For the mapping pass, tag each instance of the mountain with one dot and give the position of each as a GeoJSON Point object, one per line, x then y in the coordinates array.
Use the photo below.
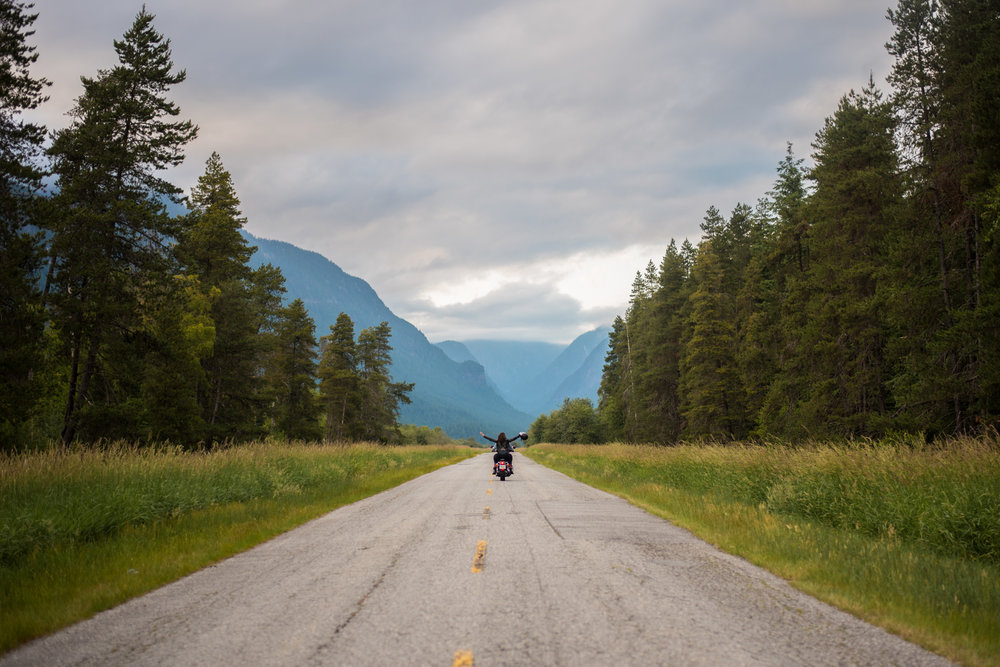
{"type": "Point", "coordinates": [575, 373]}
{"type": "Point", "coordinates": [512, 365]}
{"type": "Point", "coordinates": [584, 381]}
{"type": "Point", "coordinates": [536, 377]}
{"type": "Point", "coordinates": [456, 351]}
{"type": "Point", "coordinates": [454, 395]}
{"type": "Point", "coordinates": [460, 353]}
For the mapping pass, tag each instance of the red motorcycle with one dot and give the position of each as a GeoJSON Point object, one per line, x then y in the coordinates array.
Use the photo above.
{"type": "Point", "coordinates": [502, 470]}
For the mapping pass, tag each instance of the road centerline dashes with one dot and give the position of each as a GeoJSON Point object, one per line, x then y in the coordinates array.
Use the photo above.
{"type": "Point", "coordinates": [480, 558]}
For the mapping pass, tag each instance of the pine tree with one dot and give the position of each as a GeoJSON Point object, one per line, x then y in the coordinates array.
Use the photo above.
{"type": "Point", "coordinates": [266, 290]}
{"type": "Point", "coordinates": [660, 331]}
{"type": "Point", "coordinates": [843, 345]}
{"type": "Point", "coordinates": [20, 141]}
{"type": "Point", "coordinates": [713, 230]}
{"type": "Point", "coordinates": [212, 250]}
{"type": "Point", "coordinates": [947, 82]}
{"type": "Point", "coordinates": [611, 404]}
{"type": "Point", "coordinates": [713, 402]}
{"type": "Point", "coordinates": [110, 235]}
{"type": "Point", "coordinates": [768, 350]}
{"type": "Point", "coordinates": [21, 317]}
{"type": "Point", "coordinates": [293, 375]}
{"type": "Point", "coordinates": [339, 381]}
{"type": "Point", "coordinates": [380, 396]}
{"type": "Point", "coordinates": [969, 153]}
{"type": "Point", "coordinates": [183, 336]}
{"type": "Point", "coordinates": [211, 246]}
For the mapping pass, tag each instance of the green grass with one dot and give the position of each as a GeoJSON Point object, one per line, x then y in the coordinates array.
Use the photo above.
{"type": "Point", "coordinates": [907, 538]}
{"type": "Point", "coordinates": [86, 529]}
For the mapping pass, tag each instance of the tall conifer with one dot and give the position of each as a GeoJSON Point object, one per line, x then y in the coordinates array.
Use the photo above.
{"type": "Point", "coordinates": [713, 401]}
{"type": "Point", "coordinates": [843, 343]}
{"type": "Point", "coordinates": [21, 317]}
{"type": "Point", "coordinates": [380, 396]}
{"type": "Point", "coordinates": [293, 375]}
{"type": "Point", "coordinates": [339, 381]}
{"type": "Point", "coordinates": [110, 236]}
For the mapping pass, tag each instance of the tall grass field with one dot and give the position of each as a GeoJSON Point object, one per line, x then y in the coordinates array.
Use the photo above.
{"type": "Point", "coordinates": [904, 536]}
{"type": "Point", "coordinates": [82, 530]}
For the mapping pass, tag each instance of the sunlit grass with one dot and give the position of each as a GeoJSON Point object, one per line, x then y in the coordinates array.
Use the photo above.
{"type": "Point", "coordinates": [83, 530]}
{"type": "Point", "coordinates": [908, 538]}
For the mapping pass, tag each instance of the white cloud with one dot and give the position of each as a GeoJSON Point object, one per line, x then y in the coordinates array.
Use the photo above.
{"type": "Point", "coordinates": [490, 162]}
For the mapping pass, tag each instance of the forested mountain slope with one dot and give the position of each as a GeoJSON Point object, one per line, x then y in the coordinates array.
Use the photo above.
{"type": "Point", "coordinates": [450, 394]}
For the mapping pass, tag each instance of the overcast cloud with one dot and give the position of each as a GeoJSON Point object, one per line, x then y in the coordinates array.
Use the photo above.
{"type": "Point", "coordinates": [492, 169]}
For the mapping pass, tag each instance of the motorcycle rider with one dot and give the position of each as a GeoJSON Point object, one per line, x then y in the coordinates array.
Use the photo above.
{"type": "Point", "coordinates": [503, 448]}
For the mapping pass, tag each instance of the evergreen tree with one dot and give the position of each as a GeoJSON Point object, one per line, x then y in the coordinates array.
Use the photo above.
{"type": "Point", "coordinates": [713, 230]}
{"type": "Point", "coordinates": [713, 402]}
{"type": "Point", "coordinates": [266, 290]}
{"type": "Point", "coordinates": [380, 396]}
{"type": "Point", "coordinates": [109, 237]}
{"type": "Point", "coordinates": [947, 81]}
{"type": "Point", "coordinates": [969, 155]}
{"type": "Point", "coordinates": [865, 304]}
{"type": "Point", "coordinates": [844, 341]}
{"type": "Point", "coordinates": [758, 301]}
{"type": "Point", "coordinates": [611, 393]}
{"type": "Point", "coordinates": [661, 331]}
{"type": "Point", "coordinates": [740, 230]}
{"type": "Point", "coordinates": [21, 316]}
{"type": "Point", "coordinates": [339, 381]}
{"type": "Point", "coordinates": [294, 375]}
{"type": "Point", "coordinates": [211, 245]}
{"type": "Point", "coordinates": [774, 260]}
{"type": "Point", "coordinates": [183, 335]}
{"type": "Point", "coordinates": [212, 250]}
{"type": "Point", "coordinates": [769, 349]}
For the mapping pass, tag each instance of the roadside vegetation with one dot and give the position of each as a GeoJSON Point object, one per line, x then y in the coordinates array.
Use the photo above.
{"type": "Point", "coordinates": [131, 308]}
{"type": "Point", "coordinates": [857, 297]}
{"type": "Point", "coordinates": [904, 535]}
{"type": "Point", "coordinates": [83, 529]}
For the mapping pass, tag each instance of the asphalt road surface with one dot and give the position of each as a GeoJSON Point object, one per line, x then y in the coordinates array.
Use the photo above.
{"type": "Point", "coordinates": [459, 568]}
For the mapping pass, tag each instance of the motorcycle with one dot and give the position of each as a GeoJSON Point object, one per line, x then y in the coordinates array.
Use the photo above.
{"type": "Point", "coordinates": [502, 470]}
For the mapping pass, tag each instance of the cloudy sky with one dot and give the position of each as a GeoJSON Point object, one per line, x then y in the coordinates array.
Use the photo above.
{"type": "Point", "coordinates": [493, 168]}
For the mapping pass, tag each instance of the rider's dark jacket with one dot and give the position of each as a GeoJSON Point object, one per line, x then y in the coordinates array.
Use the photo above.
{"type": "Point", "coordinates": [503, 448]}
{"type": "Point", "coordinates": [503, 445]}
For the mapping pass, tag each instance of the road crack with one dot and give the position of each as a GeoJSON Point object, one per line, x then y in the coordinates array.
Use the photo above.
{"type": "Point", "coordinates": [544, 516]}
{"type": "Point", "coordinates": [359, 605]}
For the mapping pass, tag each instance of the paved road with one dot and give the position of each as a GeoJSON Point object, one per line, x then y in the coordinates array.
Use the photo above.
{"type": "Point", "coordinates": [458, 568]}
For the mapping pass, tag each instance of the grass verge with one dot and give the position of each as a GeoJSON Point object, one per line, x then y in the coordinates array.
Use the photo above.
{"type": "Point", "coordinates": [904, 538]}
{"type": "Point", "coordinates": [84, 530]}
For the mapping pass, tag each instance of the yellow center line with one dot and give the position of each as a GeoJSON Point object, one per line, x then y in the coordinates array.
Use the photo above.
{"type": "Point", "coordinates": [463, 659]}
{"type": "Point", "coordinates": [489, 492]}
{"type": "Point", "coordinates": [477, 562]}
{"type": "Point", "coordinates": [486, 512]}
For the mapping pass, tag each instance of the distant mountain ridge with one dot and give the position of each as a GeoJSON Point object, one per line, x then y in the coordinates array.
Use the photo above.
{"type": "Point", "coordinates": [454, 395]}
{"type": "Point", "coordinates": [514, 366]}
{"type": "Point", "coordinates": [537, 377]}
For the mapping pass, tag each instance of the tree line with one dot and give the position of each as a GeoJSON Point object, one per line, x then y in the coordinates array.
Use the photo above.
{"type": "Point", "coordinates": [861, 295]}
{"type": "Point", "coordinates": [122, 321]}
